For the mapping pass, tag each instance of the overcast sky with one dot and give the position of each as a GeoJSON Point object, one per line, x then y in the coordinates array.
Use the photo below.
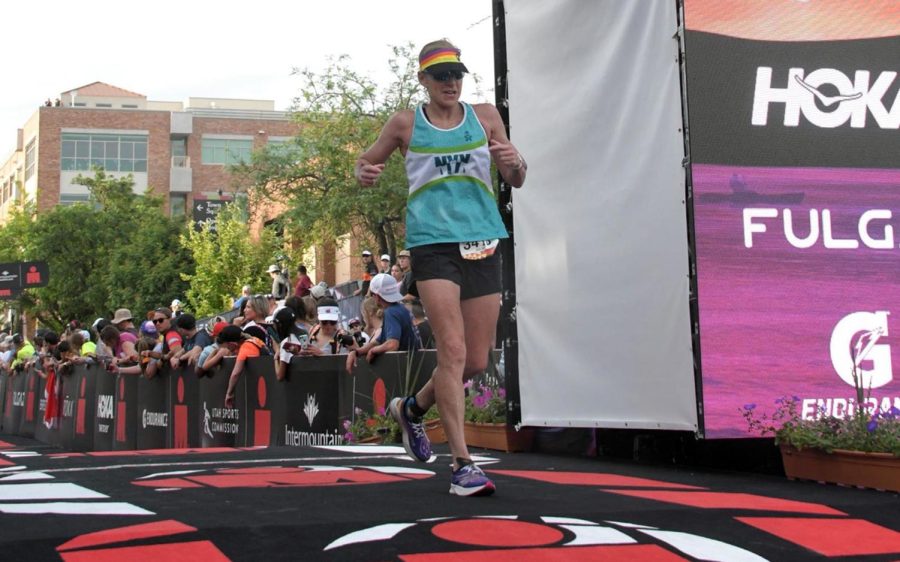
{"type": "Point", "coordinates": [170, 51]}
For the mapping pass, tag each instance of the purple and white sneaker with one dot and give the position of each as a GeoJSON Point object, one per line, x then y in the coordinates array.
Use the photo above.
{"type": "Point", "coordinates": [415, 441]}
{"type": "Point", "coordinates": [469, 480]}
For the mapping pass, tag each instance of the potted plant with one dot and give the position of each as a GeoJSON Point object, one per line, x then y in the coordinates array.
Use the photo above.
{"type": "Point", "coordinates": [379, 427]}
{"type": "Point", "coordinates": [860, 449]}
{"type": "Point", "coordinates": [485, 420]}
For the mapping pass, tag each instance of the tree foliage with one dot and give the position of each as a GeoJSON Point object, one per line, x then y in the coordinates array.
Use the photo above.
{"type": "Point", "coordinates": [340, 113]}
{"type": "Point", "coordinates": [117, 251]}
{"type": "Point", "coordinates": [227, 258]}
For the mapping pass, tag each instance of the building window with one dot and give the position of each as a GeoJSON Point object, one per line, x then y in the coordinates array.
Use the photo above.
{"type": "Point", "coordinates": [80, 104]}
{"type": "Point", "coordinates": [113, 153]}
{"type": "Point", "coordinates": [72, 198]}
{"type": "Point", "coordinates": [177, 204]}
{"type": "Point", "coordinates": [30, 159]}
{"type": "Point", "coordinates": [226, 151]}
{"type": "Point", "coordinates": [104, 105]}
{"type": "Point", "coordinates": [129, 106]}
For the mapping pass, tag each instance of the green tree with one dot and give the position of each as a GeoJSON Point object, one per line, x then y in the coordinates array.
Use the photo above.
{"type": "Point", "coordinates": [340, 113]}
{"type": "Point", "coordinates": [120, 250]}
{"type": "Point", "coordinates": [227, 258]}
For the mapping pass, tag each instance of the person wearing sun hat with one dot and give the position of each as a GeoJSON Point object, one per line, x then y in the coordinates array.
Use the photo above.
{"type": "Point", "coordinates": [453, 229]}
{"type": "Point", "coordinates": [124, 321]}
{"type": "Point", "coordinates": [397, 333]}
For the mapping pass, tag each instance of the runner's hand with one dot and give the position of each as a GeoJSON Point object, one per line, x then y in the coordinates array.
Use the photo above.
{"type": "Point", "coordinates": [368, 174]}
{"type": "Point", "coordinates": [505, 153]}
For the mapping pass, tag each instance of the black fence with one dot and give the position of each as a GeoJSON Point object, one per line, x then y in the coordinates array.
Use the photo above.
{"type": "Point", "coordinates": [100, 411]}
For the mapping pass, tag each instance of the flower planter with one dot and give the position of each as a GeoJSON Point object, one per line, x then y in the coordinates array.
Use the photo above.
{"type": "Point", "coordinates": [498, 437]}
{"type": "Point", "coordinates": [880, 471]}
{"type": "Point", "coordinates": [434, 429]}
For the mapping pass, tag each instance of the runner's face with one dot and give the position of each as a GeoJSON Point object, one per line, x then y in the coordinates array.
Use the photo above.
{"type": "Point", "coordinates": [442, 93]}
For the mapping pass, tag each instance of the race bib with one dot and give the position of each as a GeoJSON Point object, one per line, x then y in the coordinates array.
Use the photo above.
{"type": "Point", "coordinates": [478, 249]}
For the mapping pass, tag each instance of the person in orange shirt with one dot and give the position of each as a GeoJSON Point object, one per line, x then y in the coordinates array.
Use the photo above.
{"type": "Point", "coordinates": [245, 346]}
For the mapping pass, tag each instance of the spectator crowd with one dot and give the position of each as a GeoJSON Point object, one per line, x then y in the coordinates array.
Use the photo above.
{"type": "Point", "coordinates": [295, 321]}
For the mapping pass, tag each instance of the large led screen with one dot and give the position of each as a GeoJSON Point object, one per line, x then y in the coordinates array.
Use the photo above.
{"type": "Point", "coordinates": [794, 119]}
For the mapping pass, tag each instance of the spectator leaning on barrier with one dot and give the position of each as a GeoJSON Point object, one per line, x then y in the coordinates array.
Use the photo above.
{"type": "Point", "coordinates": [194, 340]}
{"type": "Point", "coordinates": [150, 349]}
{"type": "Point", "coordinates": [123, 349]}
{"type": "Point", "coordinates": [324, 339]}
{"type": "Point", "coordinates": [213, 353]}
{"type": "Point", "coordinates": [372, 317]}
{"type": "Point", "coordinates": [23, 352]}
{"type": "Point", "coordinates": [292, 340]}
{"type": "Point", "coordinates": [246, 347]}
{"type": "Point", "coordinates": [172, 342]}
{"type": "Point", "coordinates": [398, 332]}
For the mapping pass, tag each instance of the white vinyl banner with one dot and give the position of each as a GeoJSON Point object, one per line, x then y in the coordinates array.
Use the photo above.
{"type": "Point", "coordinates": [600, 225]}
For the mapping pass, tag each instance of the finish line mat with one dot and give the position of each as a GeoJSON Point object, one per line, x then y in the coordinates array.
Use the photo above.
{"type": "Point", "coordinates": [374, 504]}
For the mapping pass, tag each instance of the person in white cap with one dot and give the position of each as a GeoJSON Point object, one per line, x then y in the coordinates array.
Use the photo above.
{"type": "Point", "coordinates": [397, 332]}
{"type": "Point", "coordinates": [385, 263]}
{"type": "Point", "coordinates": [176, 308]}
{"type": "Point", "coordinates": [453, 227]}
{"type": "Point", "coordinates": [280, 285]}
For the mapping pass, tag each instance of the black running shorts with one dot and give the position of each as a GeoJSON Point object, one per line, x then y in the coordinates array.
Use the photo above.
{"type": "Point", "coordinates": [476, 278]}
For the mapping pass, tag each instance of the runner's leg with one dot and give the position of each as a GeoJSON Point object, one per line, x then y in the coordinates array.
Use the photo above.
{"type": "Point", "coordinates": [440, 298]}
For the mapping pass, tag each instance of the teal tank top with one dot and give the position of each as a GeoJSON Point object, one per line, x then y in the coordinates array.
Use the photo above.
{"type": "Point", "coordinates": [451, 197]}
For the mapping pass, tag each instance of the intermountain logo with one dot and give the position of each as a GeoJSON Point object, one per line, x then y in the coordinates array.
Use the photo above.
{"type": "Point", "coordinates": [854, 346]}
{"type": "Point", "coordinates": [827, 98]}
{"type": "Point", "coordinates": [311, 408]}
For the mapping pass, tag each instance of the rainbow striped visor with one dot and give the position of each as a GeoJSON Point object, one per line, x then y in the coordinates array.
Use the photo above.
{"type": "Point", "coordinates": [441, 60]}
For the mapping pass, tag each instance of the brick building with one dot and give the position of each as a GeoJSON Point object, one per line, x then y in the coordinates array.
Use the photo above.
{"type": "Point", "coordinates": [179, 149]}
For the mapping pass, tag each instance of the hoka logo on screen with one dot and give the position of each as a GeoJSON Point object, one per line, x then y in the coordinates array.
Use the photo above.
{"type": "Point", "coordinates": [857, 346]}
{"type": "Point", "coordinates": [828, 98]}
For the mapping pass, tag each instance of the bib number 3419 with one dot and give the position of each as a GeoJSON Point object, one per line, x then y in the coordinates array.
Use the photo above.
{"type": "Point", "coordinates": [478, 249]}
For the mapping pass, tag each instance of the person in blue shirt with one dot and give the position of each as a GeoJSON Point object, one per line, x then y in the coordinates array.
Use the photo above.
{"type": "Point", "coordinates": [398, 333]}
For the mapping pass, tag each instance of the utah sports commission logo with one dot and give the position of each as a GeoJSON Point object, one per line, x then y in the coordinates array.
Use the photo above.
{"type": "Point", "coordinates": [857, 345]}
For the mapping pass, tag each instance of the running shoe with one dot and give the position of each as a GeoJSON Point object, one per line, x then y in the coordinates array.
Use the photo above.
{"type": "Point", "coordinates": [415, 441]}
{"type": "Point", "coordinates": [469, 480]}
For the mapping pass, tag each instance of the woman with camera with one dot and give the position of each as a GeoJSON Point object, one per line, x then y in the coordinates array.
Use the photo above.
{"type": "Point", "coordinates": [327, 337]}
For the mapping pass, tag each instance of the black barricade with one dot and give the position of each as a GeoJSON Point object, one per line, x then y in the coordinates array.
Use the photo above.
{"type": "Point", "coordinates": [254, 397]}
{"type": "Point", "coordinates": [218, 425]}
{"type": "Point", "coordinates": [125, 438]}
{"type": "Point", "coordinates": [76, 431]}
{"type": "Point", "coordinates": [30, 411]}
{"type": "Point", "coordinates": [393, 374]}
{"type": "Point", "coordinates": [175, 409]}
{"type": "Point", "coordinates": [43, 433]}
{"type": "Point", "coordinates": [184, 411]}
{"type": "Point", "coordinates": [153, 416]}
{"type": "Point", "coordinates": [4, 378]}
{"type": "Point", "coordinates": [13, 412]}
{"type": "Point", "coordinates": [305, 412]}
{"type": "Point", "coordinates": [105, 413]}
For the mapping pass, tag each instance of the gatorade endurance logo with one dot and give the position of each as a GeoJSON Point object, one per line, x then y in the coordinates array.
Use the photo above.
{"type": "Point", "coordinates": [857, 345]}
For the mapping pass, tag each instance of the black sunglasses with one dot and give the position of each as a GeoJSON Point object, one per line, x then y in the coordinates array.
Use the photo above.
{"type": "Point", "coordinates": [159, 320]}
{"type": "Point", "coordinates": [328, 322]}
{"type": "Point", "coordinates": [447, 75]}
